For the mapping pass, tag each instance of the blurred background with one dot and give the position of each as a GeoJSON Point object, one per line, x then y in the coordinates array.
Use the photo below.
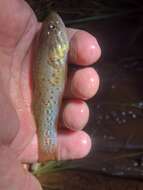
{"type": "Point", "coordinates": [116, 121]}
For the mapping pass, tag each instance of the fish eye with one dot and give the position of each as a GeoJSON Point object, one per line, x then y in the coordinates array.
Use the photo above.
{"type": "Point", "coordinates": [51, 26]}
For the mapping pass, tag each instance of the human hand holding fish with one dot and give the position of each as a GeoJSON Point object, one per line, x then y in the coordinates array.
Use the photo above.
{"type": "Point", "coordinates": [18, 137]}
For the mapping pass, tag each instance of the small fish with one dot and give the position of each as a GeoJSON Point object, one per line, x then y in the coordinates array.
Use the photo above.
{"type": "Point", "coordinates": [49, 78]}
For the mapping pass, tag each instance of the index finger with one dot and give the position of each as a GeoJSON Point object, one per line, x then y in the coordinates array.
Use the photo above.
{"type": "Point", "coordinates": [84, 48]}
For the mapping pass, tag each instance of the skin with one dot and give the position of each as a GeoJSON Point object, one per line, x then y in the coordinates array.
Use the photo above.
{"type": "Point", "coordinates": [18, 139]}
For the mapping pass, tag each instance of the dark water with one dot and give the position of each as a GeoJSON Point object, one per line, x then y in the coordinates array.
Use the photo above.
{"type": "Point", "coordinates": [116, 122]}
{"type": "Point", "coordinates": [88, 181]}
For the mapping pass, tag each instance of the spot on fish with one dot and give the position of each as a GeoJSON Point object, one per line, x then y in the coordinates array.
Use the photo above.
{"type": "Point", "coordinates": [51, 97]}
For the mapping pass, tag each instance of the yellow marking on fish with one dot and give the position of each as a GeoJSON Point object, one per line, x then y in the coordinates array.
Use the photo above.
{"type": "Point", "coordinates": [58, 52]}
{"type": "Point", "coordinates": [56, 79]}
{"type": "Point", "coordinates": [61, 49]}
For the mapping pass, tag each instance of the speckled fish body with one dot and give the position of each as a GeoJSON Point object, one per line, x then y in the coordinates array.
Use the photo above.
{"type": "Point", "coordinates": [49, 79]}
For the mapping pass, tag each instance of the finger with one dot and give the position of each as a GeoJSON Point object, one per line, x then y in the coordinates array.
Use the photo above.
{"type": "Point", "coordinates": [71, 145]}
{"type": "Point", "coordinates": [76, 109]}
{"type": "Point", "coordinates": [84, 48]}
{"type": "Point", "coordinates": [82, 84]}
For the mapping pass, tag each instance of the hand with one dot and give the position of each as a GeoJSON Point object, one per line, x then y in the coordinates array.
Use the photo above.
{"type": "Point", "coordinates": [18, 139]}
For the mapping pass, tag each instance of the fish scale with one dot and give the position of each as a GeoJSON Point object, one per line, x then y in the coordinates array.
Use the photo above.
{"type": "Point", "coordinates": [49, 78]}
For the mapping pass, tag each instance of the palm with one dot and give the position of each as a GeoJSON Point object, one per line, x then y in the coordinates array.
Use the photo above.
{"type": "Point", "coordinates": [15, 50]}
{"type": "Point", "coordinates": [14, 23]}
